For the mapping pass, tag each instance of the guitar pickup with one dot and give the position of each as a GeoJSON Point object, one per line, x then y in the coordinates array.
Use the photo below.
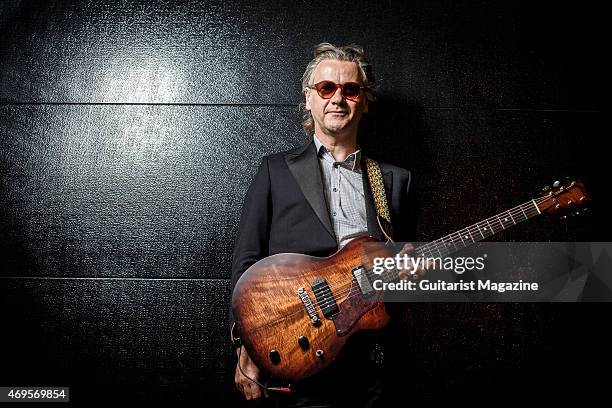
{"type": "Point", "coordinates": [361, 277]}
{"type": "Point", "coordinates": [325, 298]}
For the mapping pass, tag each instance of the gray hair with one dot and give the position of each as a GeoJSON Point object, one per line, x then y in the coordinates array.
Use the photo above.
{"type": "Point", "coordinates": [352, 53]}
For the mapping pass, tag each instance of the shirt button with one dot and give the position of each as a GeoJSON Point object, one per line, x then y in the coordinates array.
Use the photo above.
{"type": "Point", "coordinates": [334, 214]}
{"type": "Point", "coordinates": [335, 189]}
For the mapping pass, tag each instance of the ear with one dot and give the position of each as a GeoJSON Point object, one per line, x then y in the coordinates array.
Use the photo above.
{"type": "Point", "coordinates": [366, 105]}
{"type": "Point", "coordinates": [307, 96]}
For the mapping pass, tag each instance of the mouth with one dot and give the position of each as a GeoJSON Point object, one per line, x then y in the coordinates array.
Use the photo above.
{"type": "Point", "coordinates": [341, 113]}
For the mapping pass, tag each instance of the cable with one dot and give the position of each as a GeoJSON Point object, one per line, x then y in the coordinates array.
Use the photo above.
{"type": "Point", "coordinates": [238, 342]}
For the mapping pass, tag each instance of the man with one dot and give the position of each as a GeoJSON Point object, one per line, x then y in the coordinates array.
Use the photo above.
{"type": "Point", "coordinates": [315, 199]}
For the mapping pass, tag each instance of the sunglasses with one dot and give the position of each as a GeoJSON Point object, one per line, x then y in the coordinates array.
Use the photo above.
{"type": "Point", "coordinates": [349, 90]}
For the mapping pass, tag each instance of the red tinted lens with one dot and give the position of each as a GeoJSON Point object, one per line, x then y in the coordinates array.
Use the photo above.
{"type": "Point", "coordinates": [326, 89]}
{"type": "Point", "coordinates": [351, 90]}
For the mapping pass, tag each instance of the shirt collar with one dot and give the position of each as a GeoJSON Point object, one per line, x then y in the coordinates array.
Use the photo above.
{"type": "Point", "coordinates": [352, 160]}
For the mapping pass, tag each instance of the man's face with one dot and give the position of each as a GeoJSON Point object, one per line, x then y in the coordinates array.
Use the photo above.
{"type": "Point", "coordinates": [336, 115]}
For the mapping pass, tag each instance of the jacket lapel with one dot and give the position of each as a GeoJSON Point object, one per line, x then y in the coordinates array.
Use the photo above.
{"type": "Point", "coordinates": [304, 166]}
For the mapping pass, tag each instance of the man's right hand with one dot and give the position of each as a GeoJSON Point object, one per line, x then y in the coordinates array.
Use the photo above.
{"type": "Point", "coordinates": [249, 389]}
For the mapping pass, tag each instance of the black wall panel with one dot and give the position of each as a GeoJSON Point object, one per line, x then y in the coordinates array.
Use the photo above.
{"type": "Point", "coordinates": [430, 53]}
{"type": "Point", "coordinates": [130, 130]}
{"type": "Point", "coordinates": [139, 191]}
{"type": "Point", "coordinates": [134, 338]}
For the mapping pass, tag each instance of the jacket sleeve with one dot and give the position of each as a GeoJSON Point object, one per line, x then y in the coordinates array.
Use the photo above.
{"type": "Point", "coordinates": [254, 229]}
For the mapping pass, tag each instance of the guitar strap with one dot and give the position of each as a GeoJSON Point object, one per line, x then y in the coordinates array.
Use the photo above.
{"type": "Point", "coordinates": [383, 216]}
{"type": "Point", "coordinates": [380, 198]}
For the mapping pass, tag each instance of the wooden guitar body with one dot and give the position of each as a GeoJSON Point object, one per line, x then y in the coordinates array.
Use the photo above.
{"type": "Point", "coordinates": [276, 323]}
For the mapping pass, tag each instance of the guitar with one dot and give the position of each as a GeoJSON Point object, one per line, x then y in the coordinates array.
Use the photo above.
{"type": "Point", "coordinates": [294, 312]}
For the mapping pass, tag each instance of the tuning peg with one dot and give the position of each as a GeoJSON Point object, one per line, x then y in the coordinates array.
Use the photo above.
{"type": "Point", "coordinates": [564, 217]}
{"type": "Point", "coordinates": [556, 184]}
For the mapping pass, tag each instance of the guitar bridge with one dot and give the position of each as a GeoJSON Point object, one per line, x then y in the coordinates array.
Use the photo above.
{"type": "Point", "coordinates": [310, 308]}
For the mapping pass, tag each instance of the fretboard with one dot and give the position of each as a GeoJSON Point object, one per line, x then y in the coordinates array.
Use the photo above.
{"type": "Point", "coordinates": [463, 238]}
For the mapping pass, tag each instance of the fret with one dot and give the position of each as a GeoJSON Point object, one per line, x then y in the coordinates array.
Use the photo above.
{"type": "Point", "coordinates": [511, 217]}
{"type": "Point", "coordinates": [505, 222]}
{"type": "Point", "coordinates": [524, 215]}
{"type": "Point", "coordinates": [489, 224]}
{"type": "Point", "coordinates": [452, 248]}
{"type": "Point", "coordinates": [479, 230]}
{"type": "Point", "coordinates": [486, 228]}
{"type": "Point", "coordinates": [500, 221]}
{"type": "Point", "coordinates": [438, 249]}
{"type": "Point", "coordinates": [470, 233]}
{"type": "Point", "coordinates": [453, 241]}
{"type": "Point", "coordinates": [442, 250]}
{"type": "Point", "coordinates": [447, 248]}
{"type": "Point", "coordinates": [501, 224]}
{"type": "Point", "coordinates": [447, 244]}
{"type": "Point", "coordinates": [429, 250]}
{"type": "Point", "coordinates": [536, 206]}
{"type": "Point", "coordinates": [425, 250]}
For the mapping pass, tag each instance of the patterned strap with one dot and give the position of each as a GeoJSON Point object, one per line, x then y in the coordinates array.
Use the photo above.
{"type": "Point", "coordinates": [380, 198]}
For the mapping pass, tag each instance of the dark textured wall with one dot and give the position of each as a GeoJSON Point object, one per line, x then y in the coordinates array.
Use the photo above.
{"type": "Point", "coordinates": [130, 130]}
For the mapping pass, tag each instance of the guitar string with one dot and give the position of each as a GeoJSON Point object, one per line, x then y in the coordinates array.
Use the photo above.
{"type": "Point", "coordinates": [345, 289]}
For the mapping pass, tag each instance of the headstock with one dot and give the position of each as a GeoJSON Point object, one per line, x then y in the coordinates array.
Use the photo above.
{"type": "Point", "coordinates": [569, 198]}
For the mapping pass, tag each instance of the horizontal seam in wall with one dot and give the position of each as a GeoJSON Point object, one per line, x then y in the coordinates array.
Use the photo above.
{"type": "Point", "coordinates": [108, 278]}
{"type": "Point", "coordinates": [150, 104]}
{"type": "Point", "coordinates": [474, 108]}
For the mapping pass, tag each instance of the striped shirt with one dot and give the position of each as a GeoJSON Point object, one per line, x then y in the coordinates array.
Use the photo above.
{"type": "Point", "coordinates": [343, 187]}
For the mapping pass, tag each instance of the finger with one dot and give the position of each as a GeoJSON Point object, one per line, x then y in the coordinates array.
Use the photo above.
{"type": "Point", "coordinates": [239, 381]}
{"type": "Point", "coordinates": [248, 392]}
{"type": "Point", "coordinates": [252, 391]}
{"type": "Point", "coordinates": [407, 248]}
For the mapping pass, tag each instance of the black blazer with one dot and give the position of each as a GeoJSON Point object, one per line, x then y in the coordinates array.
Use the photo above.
{"type": "Point", "coordinates": [285, 209]}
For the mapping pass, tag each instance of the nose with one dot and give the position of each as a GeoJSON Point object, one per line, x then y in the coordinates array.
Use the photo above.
{"type": "Point", "coordinates": [337, 96]}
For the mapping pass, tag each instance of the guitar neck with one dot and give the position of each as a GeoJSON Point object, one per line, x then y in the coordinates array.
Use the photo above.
{"type": "Point", "coordinates": [569, 196]}
{"type": "Point", "coordinates": [462, 238]}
